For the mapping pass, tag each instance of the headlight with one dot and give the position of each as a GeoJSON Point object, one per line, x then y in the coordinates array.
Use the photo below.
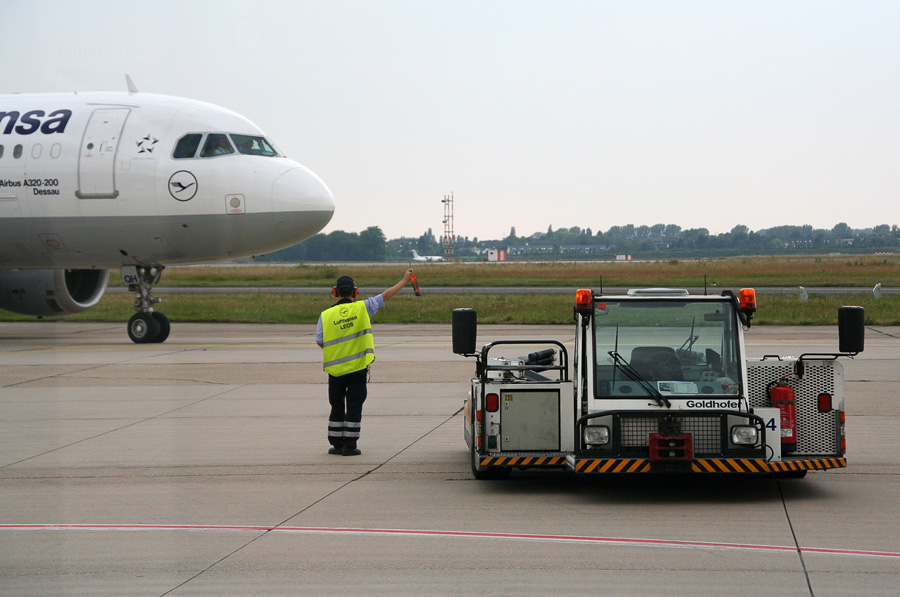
{"type": "Point", "coordinates": [744, 435]}
{"type": "Point", "coordinates": [596, 434]}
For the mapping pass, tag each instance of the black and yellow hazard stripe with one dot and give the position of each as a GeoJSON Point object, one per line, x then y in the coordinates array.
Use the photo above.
{"type": "Point", "coordinates": [810, 464]}
{"type": "Point", "coordinates": [756, 465]}
{"type": "Point", "coordinates": [523, 461]}
{"type": "Point", "coordinates": [708, 465]}
{"type": "Point", "coordinates": [612, 465]}
{"type": "Point", "coordinates": [729, 465]}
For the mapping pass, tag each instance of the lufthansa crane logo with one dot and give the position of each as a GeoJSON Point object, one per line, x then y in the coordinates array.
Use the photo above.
{"type": "Point", "coordinates": [183, 185]}
{"type": "Point", "coordinates": [344, 311]}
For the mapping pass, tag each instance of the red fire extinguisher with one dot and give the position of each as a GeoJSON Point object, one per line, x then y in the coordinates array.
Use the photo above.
{"type": "Point", "coordinates": [781, 396]}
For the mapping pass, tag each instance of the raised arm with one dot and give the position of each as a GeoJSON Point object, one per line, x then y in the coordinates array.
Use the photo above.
{"type": "Point", "coordinates": [396, 287]}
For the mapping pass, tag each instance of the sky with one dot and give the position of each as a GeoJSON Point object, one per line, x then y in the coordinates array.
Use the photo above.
{"type": "Point", "coordinates": [532, 114]}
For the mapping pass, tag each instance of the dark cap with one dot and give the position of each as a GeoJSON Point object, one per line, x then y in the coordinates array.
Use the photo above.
{"type": "Point", "coordinates": [345, 287]}
{"type": "Point", "coordinates": [345, 281]}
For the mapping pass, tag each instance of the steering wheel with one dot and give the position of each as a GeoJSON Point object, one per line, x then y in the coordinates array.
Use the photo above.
{"type": "Point", "coordinates": [667, 365]}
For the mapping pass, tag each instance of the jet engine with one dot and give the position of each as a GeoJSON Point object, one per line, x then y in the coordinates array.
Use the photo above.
{"type": "Point", "coordinates": [51, 292]}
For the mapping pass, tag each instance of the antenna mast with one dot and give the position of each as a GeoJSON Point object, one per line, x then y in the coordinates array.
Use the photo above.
{"type": "Point", "coordinates": [448, 240]}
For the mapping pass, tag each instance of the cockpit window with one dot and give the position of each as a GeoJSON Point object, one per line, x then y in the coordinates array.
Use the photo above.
{"type": "Point", "coordinates": [216, 144]}
{"type": "Point", "coordinates": [187, 146]}
{"type": "Point", "coordinates": [248, 145]}
{"type": "Point", "coordinates": [219, 144]}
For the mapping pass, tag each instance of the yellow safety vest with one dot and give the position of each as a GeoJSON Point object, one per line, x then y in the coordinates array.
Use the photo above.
{"type": "Point", "coordinates": [348, 344]}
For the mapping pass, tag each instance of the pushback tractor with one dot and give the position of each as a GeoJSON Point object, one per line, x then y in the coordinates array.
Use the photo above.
{"type": "Point", "coordinates": [660, 383]}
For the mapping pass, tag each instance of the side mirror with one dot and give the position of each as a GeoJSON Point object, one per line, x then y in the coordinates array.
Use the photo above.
{"type": "Point", "coordinates": [465, 326]}
{"type": "Point", "coordinates": [851, 329]}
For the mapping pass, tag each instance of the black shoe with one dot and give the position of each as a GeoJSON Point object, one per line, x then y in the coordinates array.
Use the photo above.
{"type": "Point", "coordinates": [334, 450]}
{"type": "Point", "coordinates": [348, 451]}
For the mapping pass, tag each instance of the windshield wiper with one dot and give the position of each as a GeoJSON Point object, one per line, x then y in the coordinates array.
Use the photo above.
{"type": "Point", "coordinates": [690, 339]}
{"type": "Point", "coordinates": [635, 376]}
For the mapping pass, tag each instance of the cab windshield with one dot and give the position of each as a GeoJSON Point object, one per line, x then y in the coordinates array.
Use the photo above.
{"type": "Point", "coordinates": [665, 346]}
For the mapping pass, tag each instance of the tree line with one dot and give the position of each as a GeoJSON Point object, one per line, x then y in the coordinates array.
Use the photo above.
{"type": "Point", "coordinates": [659, 241]}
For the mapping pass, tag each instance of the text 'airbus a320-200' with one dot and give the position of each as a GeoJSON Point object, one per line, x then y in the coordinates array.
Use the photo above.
{"type": "Point", "coordinates": [95, 181]}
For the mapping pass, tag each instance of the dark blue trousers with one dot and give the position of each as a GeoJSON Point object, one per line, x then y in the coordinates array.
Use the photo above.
{"type": "Point", "coordinates": [346, 393]}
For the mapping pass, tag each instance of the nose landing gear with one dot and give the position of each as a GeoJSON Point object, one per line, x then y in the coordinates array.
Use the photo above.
{"type": "Point", "coordinates": [146, 326]}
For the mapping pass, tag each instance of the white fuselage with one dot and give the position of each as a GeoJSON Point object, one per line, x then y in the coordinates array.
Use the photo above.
{"type": "Point", "coordinates": [92, 180]}
{"type": "Point", "coordinates": [417, 257]}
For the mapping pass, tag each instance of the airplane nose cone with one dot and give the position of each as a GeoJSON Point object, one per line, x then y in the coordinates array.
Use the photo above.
{"type": "Point", "coordinates": [301, 204]}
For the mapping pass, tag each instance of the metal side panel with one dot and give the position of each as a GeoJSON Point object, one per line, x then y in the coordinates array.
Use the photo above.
{"type": "Point", "coordinates": [529, 419]}
{"type": "Point", "coordinates": [817, 432]}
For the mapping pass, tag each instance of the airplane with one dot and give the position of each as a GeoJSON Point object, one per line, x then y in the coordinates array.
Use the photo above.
{"type": "Point", "coordinates": [417, 257]}
{"type": "Point", "coordinates": [95, 181]}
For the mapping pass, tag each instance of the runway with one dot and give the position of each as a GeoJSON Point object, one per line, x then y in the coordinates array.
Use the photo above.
{"type": "Point", "coordinates": [199, 467]}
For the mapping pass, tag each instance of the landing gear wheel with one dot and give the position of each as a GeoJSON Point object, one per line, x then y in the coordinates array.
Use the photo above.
{"type": "Point", "coordinates": [143, 328]}
{"type": "Point", "coordinates": [164, 327]}
{"type": "Point", "coordinates": [146, 325]}
{"type": "Point", "coordinates": [494, 473]}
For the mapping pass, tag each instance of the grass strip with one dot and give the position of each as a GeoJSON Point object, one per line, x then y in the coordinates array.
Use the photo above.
{"type": "Point", "coordinates": [404, 308]}
{"type": "Point", "coordinates": [836, 271]}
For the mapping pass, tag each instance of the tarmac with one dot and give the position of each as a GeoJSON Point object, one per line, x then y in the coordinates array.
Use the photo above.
{"type": "Point", "coordinates": [200, 467]}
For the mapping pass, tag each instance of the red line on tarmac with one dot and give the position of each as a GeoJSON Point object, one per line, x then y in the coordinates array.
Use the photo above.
{"type": "Point", "coordinates": [467, 534]}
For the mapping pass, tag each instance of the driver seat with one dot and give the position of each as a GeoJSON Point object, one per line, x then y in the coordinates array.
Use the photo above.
{"type": "Point", "coordinates": [646, 361]}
